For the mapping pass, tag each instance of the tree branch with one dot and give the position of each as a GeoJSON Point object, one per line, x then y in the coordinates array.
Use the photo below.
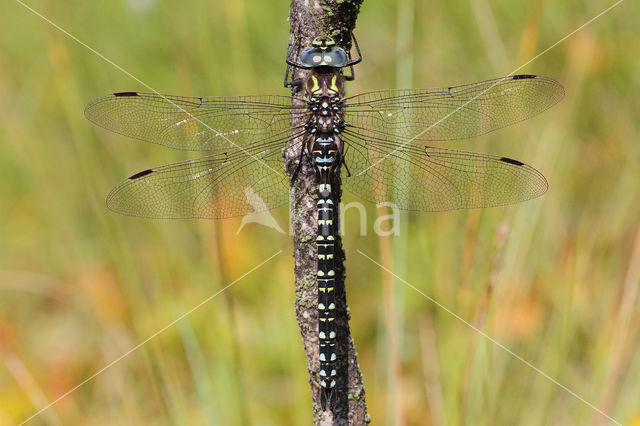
{"type": "Point", "coordinates": [309, 19]}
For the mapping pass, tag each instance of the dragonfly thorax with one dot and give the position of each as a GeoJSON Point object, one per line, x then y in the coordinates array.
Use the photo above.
{"type": "Point", "coordinates": [324, 85]}
{"type": "Point", "coordinates": [324, 92]}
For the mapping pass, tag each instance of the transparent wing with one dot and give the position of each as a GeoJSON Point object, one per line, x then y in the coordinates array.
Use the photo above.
{"type": "Point", "coordinates": [458, 112]}
{"type": "Point", "coordinates": [217, 186]}
{"type": "Point", "coordinates": [214, 124]}
{"type": "Point", "coordinates": [434, 179]}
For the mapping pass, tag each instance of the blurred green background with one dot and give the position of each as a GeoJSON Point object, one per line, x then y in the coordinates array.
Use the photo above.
{"type": "Point", "coordinates": [554, 279]}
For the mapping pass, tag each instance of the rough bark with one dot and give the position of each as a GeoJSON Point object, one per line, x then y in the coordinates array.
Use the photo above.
{"type": "Point", "coordinates": [308, 19]}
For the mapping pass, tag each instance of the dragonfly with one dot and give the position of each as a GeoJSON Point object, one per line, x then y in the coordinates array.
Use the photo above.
{"type": "Point", "coordinates": [377, 145]}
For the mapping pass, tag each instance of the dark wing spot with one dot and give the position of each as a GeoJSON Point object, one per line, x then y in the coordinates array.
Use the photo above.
{"type": "Point", "coordinates": [126, 94]}
{"type": "Point", "coordinates": [511, 161]}
{"type": "Point", "coordinates": [524, 76]}
{"type": "Point", "coordinates": [140, 174]}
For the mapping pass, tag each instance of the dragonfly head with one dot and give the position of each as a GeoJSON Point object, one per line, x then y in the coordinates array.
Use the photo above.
{"type": "Point", "coordinates": [323, 52]}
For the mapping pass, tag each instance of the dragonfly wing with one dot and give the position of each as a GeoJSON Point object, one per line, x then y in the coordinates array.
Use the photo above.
{"type": "Point", "coordinates": [434, 179]}
{"type": "Point", "coordinates": [458, 112]}
{"type": "Point", "coordinates": [217, 186]}
{"type": "Point", "coordinates": [214, 124]}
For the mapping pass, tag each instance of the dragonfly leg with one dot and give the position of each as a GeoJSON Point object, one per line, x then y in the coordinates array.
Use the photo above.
{"type": "Point", "coordinates": [353, 74]}
{"type": "Point", "coordinates": [359, 58]}
{"type": "Point", "coordinates": [352, 62]}
{"type": "Point", "coordinates": [294, 175]}
{"type": "Point", "coordinates": [343, 161]}
{"type": "Point", "coordinates": [293, 83]}
{"type": "Point", "coordinates": [292, 63]}
{"type": "Point", "coordinates": [346, 168]}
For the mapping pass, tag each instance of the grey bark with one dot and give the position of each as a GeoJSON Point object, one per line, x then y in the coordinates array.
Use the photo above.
{"type": "Point", "coordinates": [309, 19]}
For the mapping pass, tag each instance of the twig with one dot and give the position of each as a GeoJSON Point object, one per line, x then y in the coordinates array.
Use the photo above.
{"type": "Point", "coordinates": [309, 19]}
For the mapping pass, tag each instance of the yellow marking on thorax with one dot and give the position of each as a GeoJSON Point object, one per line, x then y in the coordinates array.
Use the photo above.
{"type": "Point", "coordinates": [333, 87]}
{"type": "Point", "coordinates": [316, 85]}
